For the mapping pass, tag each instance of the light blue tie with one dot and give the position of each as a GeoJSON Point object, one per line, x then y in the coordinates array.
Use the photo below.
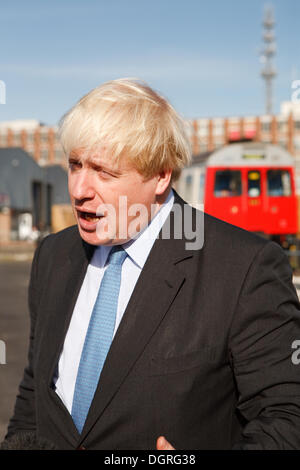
{"type": "Point", "coordinates": [98, 338]}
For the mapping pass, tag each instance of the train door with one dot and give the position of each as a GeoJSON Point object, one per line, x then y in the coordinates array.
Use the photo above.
{"type": "Point", "coordinates": [255, 209]}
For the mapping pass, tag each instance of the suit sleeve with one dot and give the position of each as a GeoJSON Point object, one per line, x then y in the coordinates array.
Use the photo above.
{"type": "Point", "coordinates": [265, 326]}
{"type": "Point", "coordinates": [24, 416]}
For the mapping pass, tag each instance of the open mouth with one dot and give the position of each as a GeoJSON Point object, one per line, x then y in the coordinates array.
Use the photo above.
{"type": "Point", "coordinates": [90, 216]}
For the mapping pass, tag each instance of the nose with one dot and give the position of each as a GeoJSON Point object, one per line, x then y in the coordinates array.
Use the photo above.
{"type": "Point", "coordinates": [81, 185]}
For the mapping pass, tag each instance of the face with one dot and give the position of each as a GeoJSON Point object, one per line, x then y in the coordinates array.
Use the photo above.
{"type": "Point", "coordinates": [111, 200]}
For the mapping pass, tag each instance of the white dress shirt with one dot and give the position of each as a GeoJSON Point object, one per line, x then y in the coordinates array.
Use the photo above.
{"type": "Point", "coordinates": [137, 250]}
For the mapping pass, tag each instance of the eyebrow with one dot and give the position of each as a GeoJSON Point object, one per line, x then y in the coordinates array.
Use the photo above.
{"type": "Point", "coordinates": [95, 163]}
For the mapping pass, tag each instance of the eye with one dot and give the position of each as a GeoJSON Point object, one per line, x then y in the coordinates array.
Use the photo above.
{"type": "Point", "coordinates": [74, 164]}
{"type": "Point", "coordinates": [106, 174]}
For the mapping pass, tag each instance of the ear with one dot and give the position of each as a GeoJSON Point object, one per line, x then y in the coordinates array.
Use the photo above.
{"type": "Point", "coordinates": [163, 181]}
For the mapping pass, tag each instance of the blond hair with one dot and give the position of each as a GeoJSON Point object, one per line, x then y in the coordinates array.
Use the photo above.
{"type": "Point", "coordinates": [132, 119]}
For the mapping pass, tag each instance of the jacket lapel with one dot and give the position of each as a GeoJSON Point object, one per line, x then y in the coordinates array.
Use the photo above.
{"type": "Point", "coordinates": [67, 286]}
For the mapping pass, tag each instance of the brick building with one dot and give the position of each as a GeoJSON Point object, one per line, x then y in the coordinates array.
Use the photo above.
{"type": "Point", "coordinates": [283, 129]}
{"type": "Point", "coordinates": [39, 140]}
{"type": "Point", "coordinates": [206, 134]}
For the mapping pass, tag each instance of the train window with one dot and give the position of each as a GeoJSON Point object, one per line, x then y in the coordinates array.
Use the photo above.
{"type": "Point", "coordinates": [228, 183]}
{"type": "Point", "coordinates": [279, 183]}
{"type": "Point", "coordinates": [253, 183]}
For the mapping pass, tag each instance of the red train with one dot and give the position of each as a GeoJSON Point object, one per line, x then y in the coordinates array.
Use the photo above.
{"type": "Point", "coordinates": [248, 184]}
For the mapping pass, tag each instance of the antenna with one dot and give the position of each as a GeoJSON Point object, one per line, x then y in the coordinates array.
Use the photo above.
{"type": "Point", "coordinates": [268, 71]}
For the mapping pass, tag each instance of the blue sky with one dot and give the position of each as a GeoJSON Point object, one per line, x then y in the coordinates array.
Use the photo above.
{"type": "Point", "coordinates": [202, 55]}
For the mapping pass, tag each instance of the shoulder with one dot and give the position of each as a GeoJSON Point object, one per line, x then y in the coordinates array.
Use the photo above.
{"type": "Point", "coordinates": [222, 242]}
{"type": "Point", "coordinates": [216, 231]}
{"type": "Point", "coordinates": [61, 238]}
{"type": "Point", "coordinates": [56, 247]}
{"type": "Point", "coordinates": [218, 234]}
{"type": "Point", "coordinates": [233, 249]}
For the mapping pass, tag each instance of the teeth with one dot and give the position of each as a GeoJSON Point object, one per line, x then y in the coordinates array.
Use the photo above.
{"type": "Point", "coordinates": [90, 217]}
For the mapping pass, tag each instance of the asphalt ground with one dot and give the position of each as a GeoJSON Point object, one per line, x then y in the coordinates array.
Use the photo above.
{"type": "Point", "coordinates": [14, 331]}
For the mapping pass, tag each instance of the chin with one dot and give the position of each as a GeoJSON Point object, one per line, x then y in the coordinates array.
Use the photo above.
{"type": "Point", "coordinates": [100, 237]}
{"type": "Point", "coordinates": [92, 238]}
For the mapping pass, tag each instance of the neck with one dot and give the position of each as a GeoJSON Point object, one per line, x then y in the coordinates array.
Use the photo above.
{"type": "Point", "coordinates": [161, 199]}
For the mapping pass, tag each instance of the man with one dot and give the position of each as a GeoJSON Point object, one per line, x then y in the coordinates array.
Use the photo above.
{"type": "Point", "coordinates": [141, 335]}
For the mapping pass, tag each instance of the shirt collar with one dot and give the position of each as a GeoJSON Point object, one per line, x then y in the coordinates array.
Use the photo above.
{"type": "Point", "coordinates": [139, 248]}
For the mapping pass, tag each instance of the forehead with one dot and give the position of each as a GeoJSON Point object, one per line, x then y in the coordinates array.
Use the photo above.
{"type": "Point", "coordinates": [101, 156]}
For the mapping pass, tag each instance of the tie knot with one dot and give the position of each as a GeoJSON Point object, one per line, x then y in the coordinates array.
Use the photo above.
{"type": "Point", "coordinates": [117, 255]}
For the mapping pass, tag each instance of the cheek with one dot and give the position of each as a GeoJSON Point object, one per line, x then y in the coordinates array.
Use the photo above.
{"type": "Point", "coordinates": [143, 191]}
{"type": "Point", "coordinates": [147, 193]}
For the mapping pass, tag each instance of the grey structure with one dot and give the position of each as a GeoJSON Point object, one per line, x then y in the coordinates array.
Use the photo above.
{"type": "Point", "coordinates": [26, 187]}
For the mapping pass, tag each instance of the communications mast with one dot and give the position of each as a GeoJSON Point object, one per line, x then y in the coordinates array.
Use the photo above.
{"type": "Point", "coordinates": [268, 71]}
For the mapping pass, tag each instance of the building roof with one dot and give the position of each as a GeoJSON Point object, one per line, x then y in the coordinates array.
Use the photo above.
{"type": "Point", "coordinates": [57, 176]}
{"type": "Point", "coordinates": [256, 154]}
{"type": "Point", "coordinates": [200, 158]}
{"type": "Point", "coordinates": [18, 172]}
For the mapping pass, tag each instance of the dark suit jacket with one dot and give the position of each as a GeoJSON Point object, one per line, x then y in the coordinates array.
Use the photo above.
{"type": "Point", "coordinates": [202, 354]}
